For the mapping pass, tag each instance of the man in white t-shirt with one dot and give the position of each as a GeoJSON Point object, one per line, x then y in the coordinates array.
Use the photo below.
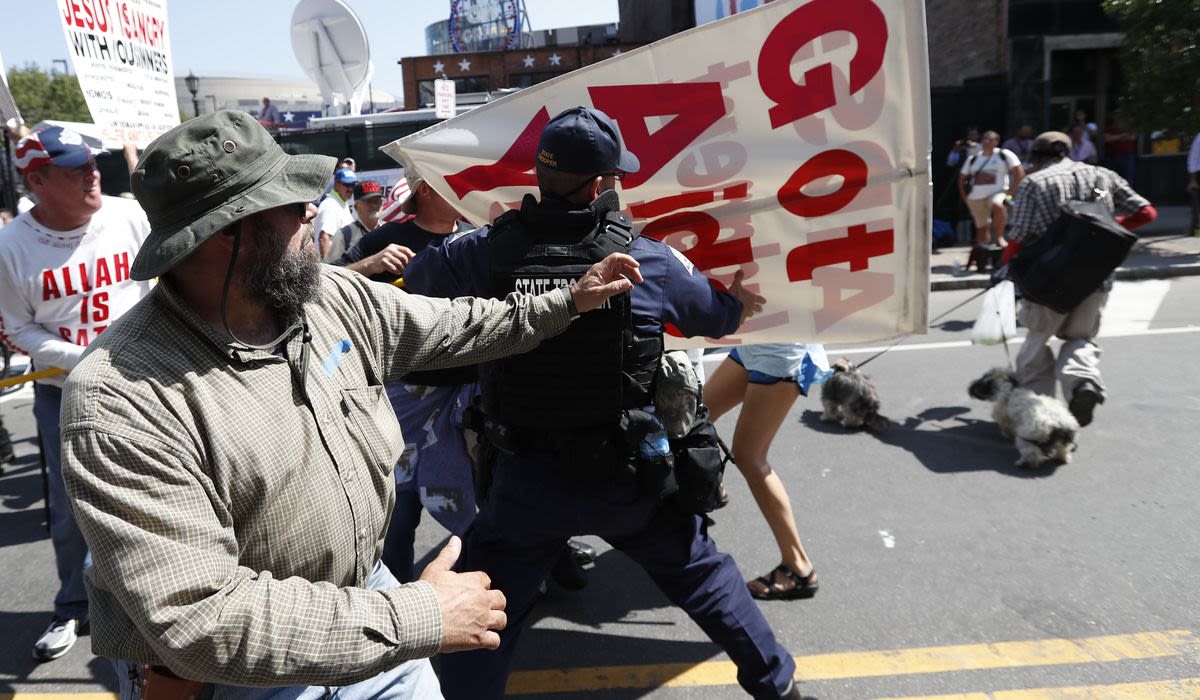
{"type": "Point", "coordinates": [984, 182]}
{"type": "Point", "coordinates": [334, 211]}
{"type": "Point", "coordinates": [64, 278]}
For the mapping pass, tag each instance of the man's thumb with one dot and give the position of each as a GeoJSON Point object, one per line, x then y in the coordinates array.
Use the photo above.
{"type": "Point", "coordinates": [449, 554]}
{"type": "Point", "coordinates": [737, 278]}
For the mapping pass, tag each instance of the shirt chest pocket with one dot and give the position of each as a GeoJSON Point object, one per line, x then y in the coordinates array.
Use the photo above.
{"type": "Point", "coordinates": [372, 426]}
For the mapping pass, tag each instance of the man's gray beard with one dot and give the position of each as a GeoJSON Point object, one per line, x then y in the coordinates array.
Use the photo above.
{"type": "Point", "coordinates": [287, 279]}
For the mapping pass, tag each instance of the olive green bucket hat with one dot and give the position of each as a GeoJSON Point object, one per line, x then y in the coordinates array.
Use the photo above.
{"type": "Point", "coordinates": [209, 172]}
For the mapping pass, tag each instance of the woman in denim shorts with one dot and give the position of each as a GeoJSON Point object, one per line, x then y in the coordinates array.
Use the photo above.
{"type": "Point", "coordinates": [765, 380]}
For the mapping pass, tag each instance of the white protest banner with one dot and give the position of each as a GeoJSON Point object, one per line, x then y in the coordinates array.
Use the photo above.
{"type": "Point", "coordinates": [790, 142]}
{"type": "Point", "coordinates": [8, 107]}
{"type": "Point", "coordinates": [123, 60]}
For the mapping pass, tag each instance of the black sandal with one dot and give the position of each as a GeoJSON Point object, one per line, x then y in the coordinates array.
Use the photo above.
{"type": "Point", "coordinates": [806, 586]}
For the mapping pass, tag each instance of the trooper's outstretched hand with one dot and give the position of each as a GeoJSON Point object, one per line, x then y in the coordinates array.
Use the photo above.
{"type": "Point", "coordinates": [751, 303]}
{"type": "Point", "coordinates": [607, 278]}
{"type": "Point", "coordinates": [472, 613]}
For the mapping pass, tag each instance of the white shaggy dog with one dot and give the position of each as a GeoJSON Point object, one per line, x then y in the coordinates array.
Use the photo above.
{"type": "Point", "coordinates": [1041, 426]}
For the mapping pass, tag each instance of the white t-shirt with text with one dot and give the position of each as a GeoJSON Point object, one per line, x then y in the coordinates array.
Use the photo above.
{"type": "Point", "coordinates": [60, 289]}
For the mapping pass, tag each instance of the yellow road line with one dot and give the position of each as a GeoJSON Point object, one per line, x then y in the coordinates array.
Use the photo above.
{"type": "Point", "coordinates": [963, 657]}
{"type": "Point", "coordinates": [58, 696]}
{"type": "Point", "coordinates": [1184, 689]}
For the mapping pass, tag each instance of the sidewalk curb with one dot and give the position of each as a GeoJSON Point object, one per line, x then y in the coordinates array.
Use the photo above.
{"type": "Point", "coordinates": [977, 281]}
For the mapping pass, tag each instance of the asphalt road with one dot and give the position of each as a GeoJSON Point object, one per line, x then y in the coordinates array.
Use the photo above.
{"type": "Point", "coordinates": [944, 570]}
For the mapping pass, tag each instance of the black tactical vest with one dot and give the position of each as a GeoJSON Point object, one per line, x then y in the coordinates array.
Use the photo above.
{"type": "Point", "coordinates": [586, 375]}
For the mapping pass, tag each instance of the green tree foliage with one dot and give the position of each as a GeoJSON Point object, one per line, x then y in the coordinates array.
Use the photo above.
{"type": "Point", "coordinates": [1160, 60]}
{"type": "Point", "coordinates": [41, 95]}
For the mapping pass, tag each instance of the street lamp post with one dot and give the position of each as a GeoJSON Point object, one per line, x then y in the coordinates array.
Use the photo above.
{"type": "Point", "coordinates": [193, 84]}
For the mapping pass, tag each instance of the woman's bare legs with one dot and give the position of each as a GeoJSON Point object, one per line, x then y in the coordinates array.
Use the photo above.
{"type": "Point", "coordinates": [764, 408]}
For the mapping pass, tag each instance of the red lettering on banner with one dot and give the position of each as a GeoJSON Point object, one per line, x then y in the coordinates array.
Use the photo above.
{"type": "Point", "coordinates": [851, 167]}
{"type": "Point", "coordinates": [878, 194]}
{"type": "Point", "coordinates": [694, 106]}
{"type": "Point", "coordinates": [514, 169]}
{"type": "Point", "coordinates": [849, 114]}
{"type": "Point", "coordinates": [873, 287]}
{"type": "Point", "coordinates": [686, 200]}
{"type": "Point", "coordinates": [722, 160]}
{"type": "Point", "coordinates": [805, 24]}
{"type": "Point", "coordinates": [50, 286]}
{"type": "Point", "coordinates": [87, 14]}
{"type": "Point", "coordinates": [856, 248]}
{"type": "Point", "coordinates": [706, 253]}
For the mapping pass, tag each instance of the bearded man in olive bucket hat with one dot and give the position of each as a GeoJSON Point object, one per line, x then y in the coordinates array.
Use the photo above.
{"type": "Point", "coordinates": [229, 445]}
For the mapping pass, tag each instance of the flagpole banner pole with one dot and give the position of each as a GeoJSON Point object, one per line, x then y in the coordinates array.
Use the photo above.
{"type": "Point", "coordinates": [790, 142]}
{"type": "Point", "coordinates": [122, 57]}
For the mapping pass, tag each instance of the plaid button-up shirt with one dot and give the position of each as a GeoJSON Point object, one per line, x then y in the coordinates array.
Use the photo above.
{"type": "Point", "coordinates": [1037, 199]}
{"type": "Point", "coordinates": [234, 512]}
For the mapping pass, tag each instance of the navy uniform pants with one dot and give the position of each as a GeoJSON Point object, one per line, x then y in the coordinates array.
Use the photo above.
{"type": "Point", "coordinates": [531, 510]}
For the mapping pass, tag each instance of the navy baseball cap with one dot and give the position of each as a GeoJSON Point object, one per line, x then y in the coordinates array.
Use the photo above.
{"type": "Point", "coordinates": [584, 141]}
{"type": "Point", "coordinates": [345, 176]}
{"type": "Point", "coordinates": [56, 146]}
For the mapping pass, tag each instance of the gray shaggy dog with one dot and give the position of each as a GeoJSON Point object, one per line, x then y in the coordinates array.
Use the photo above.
{"type": "Point", "coordinates": [849, 397]}
{"type": "Point", "coordinates": [1041, 426]}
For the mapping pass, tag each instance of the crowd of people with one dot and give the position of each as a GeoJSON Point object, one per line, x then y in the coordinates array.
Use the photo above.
{"type": "Point", "coordinates": [240, 459]}
{"type": "Point", "coordinates": [988, 173]}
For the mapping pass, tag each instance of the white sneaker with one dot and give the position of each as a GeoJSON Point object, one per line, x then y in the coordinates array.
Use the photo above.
{"type": "Point", "coordinates": [57, 640]}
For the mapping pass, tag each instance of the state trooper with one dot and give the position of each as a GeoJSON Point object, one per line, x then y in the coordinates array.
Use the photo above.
{"type": "Point", "coordinates": [561, 464]}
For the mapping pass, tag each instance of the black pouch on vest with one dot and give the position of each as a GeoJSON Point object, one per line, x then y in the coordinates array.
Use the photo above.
{"type": "Point", "coordinates": [700, 459]}
{"type": "Point", "coordinates": [655, 476]}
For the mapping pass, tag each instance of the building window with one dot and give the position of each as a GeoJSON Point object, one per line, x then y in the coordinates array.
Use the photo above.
{"type": "Point", "coordinates": [524, 80]}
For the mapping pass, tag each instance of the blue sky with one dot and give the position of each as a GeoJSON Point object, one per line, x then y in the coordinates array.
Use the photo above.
{"type": "Point", "coordinates": [252, 37]}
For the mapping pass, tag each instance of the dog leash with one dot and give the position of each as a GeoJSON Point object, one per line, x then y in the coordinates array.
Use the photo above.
{"type": "Point", "coordinates": [970, 299]}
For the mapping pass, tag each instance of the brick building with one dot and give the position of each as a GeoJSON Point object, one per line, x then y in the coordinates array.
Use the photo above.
{"type": "Point", "coordinates": [476, 74]}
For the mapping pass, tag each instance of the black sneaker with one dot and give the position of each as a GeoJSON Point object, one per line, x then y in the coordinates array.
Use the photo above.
{"type": "Point", "coordinates": [1083, 402]}
{"type": "Point", "coordinates": [568, 572]}
{"type": "Point", "coordinates": [583, 552]}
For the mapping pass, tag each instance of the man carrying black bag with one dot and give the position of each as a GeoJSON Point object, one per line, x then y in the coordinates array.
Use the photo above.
{"type": "Point", "coordinates": [1038, 212]}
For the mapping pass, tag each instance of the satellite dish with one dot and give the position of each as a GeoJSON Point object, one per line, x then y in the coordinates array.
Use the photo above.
{"type": "Point", "coordinates": [331, 45]}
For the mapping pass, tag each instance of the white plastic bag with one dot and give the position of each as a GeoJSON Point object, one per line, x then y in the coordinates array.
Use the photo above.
{"type": "Point", "coordinates": [997, 320]}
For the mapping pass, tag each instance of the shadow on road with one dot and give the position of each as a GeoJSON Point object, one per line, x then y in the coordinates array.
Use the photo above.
{"type": "Point", "coordinates": [618, 590]}
{"type": "Point", "coordinates": [22, 520]}
{"type": "Point", "coordinates": [955, 444]}
{"type": "Point", "coordinates": [17, 664]}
